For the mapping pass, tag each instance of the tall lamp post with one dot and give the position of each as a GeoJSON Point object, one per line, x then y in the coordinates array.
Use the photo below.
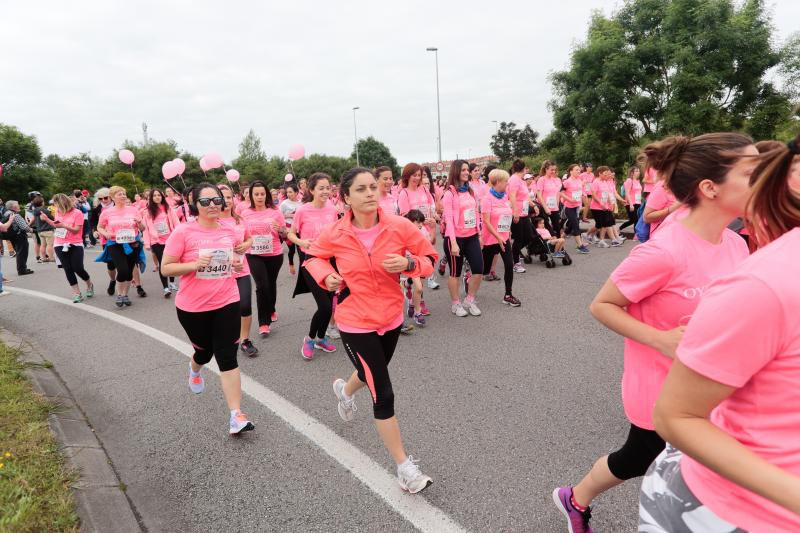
{"type": "Point", "coordinates": [355, 135]}
{"type": "Point", "coordinates": [438, 109]}
{"type": "Point", "coordinates": [496, 127]}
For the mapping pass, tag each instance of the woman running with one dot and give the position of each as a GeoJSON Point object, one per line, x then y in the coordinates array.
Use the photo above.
{"type": "Point", "coordinates": [462, 240]}
{"type": "Point", "coordinates": [160, 221]}
{"type": "Point", "coordinates": [370, 310]}
{"type": "Point", "coordinates": [521, 230]}
{"type": "Point", "coordinates": [288, 208]}
{"type": "Point", "coordinates": [497, 216]}
{"type": "Point", "coordinates": [103, 201]}
{"type": "Point", "coordinates": [587, 176]}
{"type": "Point", "coordinates": [202, 254]}
{"type": "Point", "coordinates": [603, 204]}
{"type": "Point", "coordinates": [68, 243]}
{"type": "Point", "coordinates": [548, 192]}
{"type": "Point", "coordinates": [633, 197]}
{"type": "Point", "coordinates": [428, 184]}
{"type": "Point", "coordinates": [652, 293]}
{"type": "Point", "coordinates": [573, 196]}
{"type": "Point", "coordinates": [730, 399]}
{"type": "Point", "coordinates": [386, 199]}
{"type": "Point", "coordinates": [266, 226]}
{"type": "Point", "coordinates": [311, 219]}
{"type": "Point", "coordinates": [228, 216]}
{"type": "Point", "coordinates": [121, 227]}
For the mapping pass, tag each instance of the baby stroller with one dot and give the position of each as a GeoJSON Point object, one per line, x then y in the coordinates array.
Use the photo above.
{"type": "Point", "coordinates": [544, 250]}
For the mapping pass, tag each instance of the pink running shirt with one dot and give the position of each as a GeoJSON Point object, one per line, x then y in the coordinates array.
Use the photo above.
{"type": "Point", "coordinates": [500, 217]}
{"type": "Point", "coordinates": [660, 198]}
{"type": "Point", "coordinates": [310, 221]}
{"type": "Point", "coordinates": [460, 214]}
{"type": "Point", "coordinates": [419, 199]}
{"type": "Point", "coordinates": [122, 221]}
{"type": "Point", "coordinates": [266, 241]}
{"type": "Point", "coordinates": [550, 189]}
{"type": "Point", "coordinates": [633, 192]}
{"type": "Point", "coordinates": [587, 178]}
{"type": "Point", "coordinates": [573, 188]}
{"type": "Point", "coordinates": [389, 205]}
{"type": "Point", "coordinates": [517, 186]}
{"type": "Point", "coordinates": [241, 236]}
{"type": "Point", "coordinates": [61, 236]}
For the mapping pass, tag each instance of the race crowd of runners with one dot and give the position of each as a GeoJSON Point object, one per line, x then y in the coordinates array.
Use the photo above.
{"type": "Point", "coordinates": [708, 301]}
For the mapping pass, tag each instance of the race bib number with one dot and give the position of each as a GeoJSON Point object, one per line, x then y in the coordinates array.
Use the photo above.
{"type": "Point", "coordinates": [525, 209]}
{"type": "Point", "coordinates": [551, 202]}
{"type": "Point", "coordinates": [262, 244]}
{"type": "Point", "coordinates": [637, 198]}
{"type": "Point", "coordinates": [576, 196]}
{"type": "Point", "coordinates": [125, 236]}
{"type": "Point", "coordinates": [604, 196]}
{"type": "Point", "coordinates": [469, 219]}
{"type": "Point", "coordinates": [161, 227]}
{"type": "Point", "coordinates": [220, 265]}
{"type": "Point", "coordinates": [60, 233]}
{"type": "Point", "coordinates": [504, 224]}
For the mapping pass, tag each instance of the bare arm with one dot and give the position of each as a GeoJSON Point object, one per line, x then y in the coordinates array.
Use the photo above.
{"type": "Point", "coordinates": [653, 215]}
{"type": "Point", "coordinates": [171, 267]}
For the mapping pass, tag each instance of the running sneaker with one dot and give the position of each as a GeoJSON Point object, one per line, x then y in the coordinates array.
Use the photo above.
{"type": "Point", "coordinates": [167, 292]}
{"type": "Point", "coordinates": [77, 298]}
{"type": "Point", "coordinates": [240, 423]}
{"type": "Point", "coordinates": [411, 478]}
{"type": "Point", "coordinates": [196, 381]}
{"type": "Point", "coordinates": [4, 293]}
{"type": "Point", "coordinates": [616, 244]}
{"type": "Point", "coordinates": [603, 244]}
{"type": "Point", "coordinates": [423, 309]}
{"type": "Point", "coordinates": [582, 249]}
{"type": "Point", "coordinates": [90, 291]}
{"type": "Point", "coordinates": [442, 266]}
{"type": "Point", "coordinates": [458, 309]}
{"type": "Point", "coordinates": [472, 308]}
{"type": "Point", "coordinates": [432, 283]}
{"type": "Point", "coordinates": [112, 287]}
{"type": "Point", "coordinates": [577, 521]}
{"type": "Point", "coordinates": [274, 317]}
{"type": "Point", "coordinates": [621, 237]}
{"type": "Point", "coordinates": [126, 300]}
{"type": "Point", "coordinates": [410, 311]}
{"type": "Point", "coordinates": [511, 300]}
{"type": "Point", "coordinates": [173, 287]}
{"type": "Point", "coordinates": [519, 269]}
{"type": "Point", "coordinates": [307, 350]}
{"type": "Point", "coordinates": [263, 331]}
{"type": "Point", "coordinates": [140, 291]}
{"type": "Point", "coordinates": [419, 320]}
{"type": "Point", "coordinates": [248, 349]}
{"type": "Point", "coordinates": [558, 255]}
{"type": "Point", "coordinates": [346, 407]}
{"type": "Point", "coordinates": [491, 276]}
{"type": "Point", "coordinates": [333, 332]}
{"type": "Point", "coordinates": [594, 239]}
{"type": "Point", "coordinates": [407, 329]}
{"type": "Point", "coordinates": [325, 344]}
{"type": "Point", "coordinates": [39, 260]}
{"type": "Point", "coordinates": [120, 301]}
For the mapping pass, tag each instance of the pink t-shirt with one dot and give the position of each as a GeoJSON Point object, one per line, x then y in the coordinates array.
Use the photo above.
{"type": "Point", "coordinates": [420, 199]}
{"type": "Point", "coordinates": [543, 233]}
{"type": "Point", "coordinates": [266, 241]}
{"type": "Point", "coordinates": [602, 194]}
{"type": "Point", "coordinates": [516, 185]}
{"type": "Point", "coordinates": [389, 205]}
{"type": "Point", "coordinates": [122, 220]}
{"type": "Point", "coordinates": [660, 198]}
{"type": "Point", "coordinates": [549, 188]}
{"type": "Point", "coordinates": [664, 279]}
{"type": "Point", "coordinates": [367, 236]}
{"type": "Point", "coordinates": [478, 187]}
{"type": "Point", "coordinates": [160, 224]}
{"type": "Point", "coordinates": [62, 236]}
{"type": "Point", "coordinates": [746, 334]}
{"type": "Point", "coordinates": [650, 180]}
{"type": "Point", "coordinates": [573, 188]}
{"type": "Point", "coordinates": [213, 287]}
{"type": "Point", "coordinates": [460, 214]}
{"type": "Point", "coordinates": [500, 216]}
{"type": "Point", "coordinates": [587, 178]}
{"type": "Point", "coordinates": [310, 221]}
{"type": "Point", "coordinates": [241, 236]}
{"type": "Point", "coordinates": [633, 192]}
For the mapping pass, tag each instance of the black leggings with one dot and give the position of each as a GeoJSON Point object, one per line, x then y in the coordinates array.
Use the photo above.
{"type": "Point", "coordinates": [264, 269]}
{"type": "Point", "coordinates": [555, 221]}
{"type": "Point", "coordinates": [158, 249]}
{"type": "Point", "coordinates": [21, 247]}
{"type": "Point", "coordinates": [573, 228]}
{"type": "Point", "coordinates": [370, 353]}
{"type": "Point", "coordinates": [324, 299]}
{"type": "Point", "coordinates": [633, 216]}
{"type": "Point", "coordinates": [72, 263]}
{"type": "Point", "coordinates": [292, 249]}
{"type": "Point", "coordinates": [521, 234]}
{"type": "Point", "coordinates": [640, 449]}
{"type": "Point", "coordinates": [245, 296]}
{"type": "Point", "coordinates": [214, 332]}
{"type": "Point", "coordinates": [469, 248]}
{"type": "Point", "coordinates": [124, 264]}
{"type": "Point", "coordinates": [489, 251]}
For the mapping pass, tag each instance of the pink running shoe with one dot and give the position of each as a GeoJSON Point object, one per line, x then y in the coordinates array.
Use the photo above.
{"type": "Point", "coordinates": [577, 521]}
{"type": "Point", "coordinates": [307, 350]}
{"type": "Point", "coordinates": [274, 317]}
{"type": "Point", "coordinates": [423, 309]}
{"type": "Point", "coordinates": [263, 331]}
{"type": "Point", "coordinates": [325, 344]}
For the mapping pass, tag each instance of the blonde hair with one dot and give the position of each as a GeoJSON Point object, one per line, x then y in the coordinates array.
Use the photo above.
{"type": "Point", "coordinates": [112, 192]}
{"type": "Point", "coordinates": [63, 203]}
{"type": "Point", "coordinates": [497, 175]}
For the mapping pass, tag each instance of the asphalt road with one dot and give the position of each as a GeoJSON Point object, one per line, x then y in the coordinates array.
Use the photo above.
{"type": "Point", "coordinates": [500, 409]}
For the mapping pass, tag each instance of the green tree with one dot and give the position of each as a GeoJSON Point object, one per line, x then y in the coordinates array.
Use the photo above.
{"type": "Point", "coordinates": [250, 151]}
{"type": "Point", "coordinates": [75, 172]}
{"type": "Point", "coordinates": [373, 153]}
{"type": "Point", "coordinates": [132, 183]}
{"type": "Point", "coordinates": [332, 165]}
{"type": "Point", "coordinates": [510, 141]}
{"type": "Point", "coordinates": [660, 67]}
{"type": "Point", "coordinates": [20, 156]}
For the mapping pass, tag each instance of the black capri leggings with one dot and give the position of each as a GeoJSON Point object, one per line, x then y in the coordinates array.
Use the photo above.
{"type": "Point", "coordinates": [573, 227]}
{"type": "Point", "coordinates": [124, 264]}
{"type": "Point", "coordinates": [469, 248]}
{"type": "Point", "coordinates": [324, 299]}
{"type": "Point", "coordinates": [521, 234]}
{"type": "Point", "coordinates": [489, 251]}
{"type": "Point", "coordinates": [370, 353]}
{"type": "Point", "coordinates": [214, 332]}
{"type": "Point", "coordinates": [633, 216]}
{"type": "Point", "coordinates": [72, 263]}
{"type": "Point", "coordinates": [555, 221]}
{"type": "Point", "coordinates": [158, 249]}
{"type": "Point", "coordinates": [292, 249]}
{"type": "Point", "coordinates": [635, 456]}
{"type": "Point", "coordinates": [264, 269]}
{"type": "Point", "coordinates": [245, 296]}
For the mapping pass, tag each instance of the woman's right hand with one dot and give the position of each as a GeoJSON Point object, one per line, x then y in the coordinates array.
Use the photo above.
{"type": "Point", "coordinates": [502, 245]}
{"type": "Point", "coordinates": [454, 249]}
{"type": "Point", "coordinates": [333, 282]}
{"type": "Point", "coordinates": [304, 244]}
{"type": "Point", "coordinates": [667, 341]}
{"type": "Point", "coordinates": [202, 262]}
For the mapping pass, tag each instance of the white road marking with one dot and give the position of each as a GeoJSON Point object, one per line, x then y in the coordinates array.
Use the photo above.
{"type": "Point", "coordinates": [424, 516]}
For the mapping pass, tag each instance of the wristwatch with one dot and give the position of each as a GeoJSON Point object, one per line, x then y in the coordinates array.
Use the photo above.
{"type": "Point", "coordinates": [411, 265]}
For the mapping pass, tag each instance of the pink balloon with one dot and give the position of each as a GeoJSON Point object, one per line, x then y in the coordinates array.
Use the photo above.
{"type": "Point", "coordinates": [296, 151]}
{"type": "Point", "coordinates": [204, 164]}
{"type": "Point", "coordinates": [126, 156]}
{"type": "Point", "coordinates": [232, 175]}
{"type": "Point", "coordinates": [180, 166]}
{"type": "Point", "coordinates": [169, 170]}
{"type": "Point", "coordinates": [213, 160]}
{"type": "Point", "coordinates": [288, 177]}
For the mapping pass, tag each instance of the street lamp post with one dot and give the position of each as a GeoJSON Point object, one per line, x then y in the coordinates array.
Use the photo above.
{"type": "Point", "coordinates": [438, 109]}
{"type": "Point", "coordinates": [355, 135]}
{"type": "Point", "coordinates": [496, 127]}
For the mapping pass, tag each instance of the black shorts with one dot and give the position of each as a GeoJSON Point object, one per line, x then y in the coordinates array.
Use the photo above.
{"type": "Point", "coordinates": [603, 218]}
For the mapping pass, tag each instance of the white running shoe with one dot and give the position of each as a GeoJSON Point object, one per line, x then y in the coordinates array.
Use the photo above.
{"type": "Point", "coordinates": [346, 407]}
{"type": "Point", "coordinates": [173, 287]}
{"type": "Point", "coordinates": [432, 283]}
{"type": "Point", "coordinates": [519, 269]}
{"type": "Point", "coordinates": [472, 308]}
{"type": "Point", "coordinates": [196, 382]}
{"type": "Point", "coordinates": [616, 243]}
{"type": "Point", "coordinates": [603, 244]}
{"type": "Point", "coordinates": [411, 478]}
{"type": "Point", "coordinates": [594, 239]}
{"type": "Point", "coordinates": [240, 423]}
{"type": "Point", "coordinates": [333, 332]}
{"type": "Point", "coordinates": [458, 310]}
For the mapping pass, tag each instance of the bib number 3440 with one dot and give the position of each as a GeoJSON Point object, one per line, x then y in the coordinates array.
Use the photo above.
{"type": "Point", "coordinates": [219, 265]}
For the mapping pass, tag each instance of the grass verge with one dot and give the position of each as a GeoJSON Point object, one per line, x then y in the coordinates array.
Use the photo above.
{"type": "Point", "coordinates": [35, 492]}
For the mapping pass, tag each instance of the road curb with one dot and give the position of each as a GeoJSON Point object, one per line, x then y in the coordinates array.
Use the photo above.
{"type": "Point", "coordinates": [101, 500]}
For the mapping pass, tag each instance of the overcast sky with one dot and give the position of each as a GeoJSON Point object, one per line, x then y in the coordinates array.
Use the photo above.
{"type": "Point", "coordinates": [83, 76]}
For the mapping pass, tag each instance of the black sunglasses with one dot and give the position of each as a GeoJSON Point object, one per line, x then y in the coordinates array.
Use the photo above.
{"type": "Point", "coordinates": [104, 197]}
{"type": "Point", "coordinates": [205, 202]}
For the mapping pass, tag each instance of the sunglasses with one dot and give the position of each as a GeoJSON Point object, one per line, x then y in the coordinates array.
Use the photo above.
{"type": "Point", "coordinates": [105, 197]}
{"type": "Point", "coordinates": [205, 202]}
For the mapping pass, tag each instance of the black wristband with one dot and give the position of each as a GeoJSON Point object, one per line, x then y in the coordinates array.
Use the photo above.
{"type": "Point", "coordinates": [411, 265]}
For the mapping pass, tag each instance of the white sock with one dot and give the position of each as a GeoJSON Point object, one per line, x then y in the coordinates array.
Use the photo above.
{"type": "Point", "coordinates": [234, 412]}
{"type": "Point", "coordinates": [193, 373]}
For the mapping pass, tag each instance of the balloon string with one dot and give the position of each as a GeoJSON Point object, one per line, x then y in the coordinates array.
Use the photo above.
{"type": "Point", "coordinates": [134, 180]}
{"type": "Point", "coordinates": [173, 188]}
